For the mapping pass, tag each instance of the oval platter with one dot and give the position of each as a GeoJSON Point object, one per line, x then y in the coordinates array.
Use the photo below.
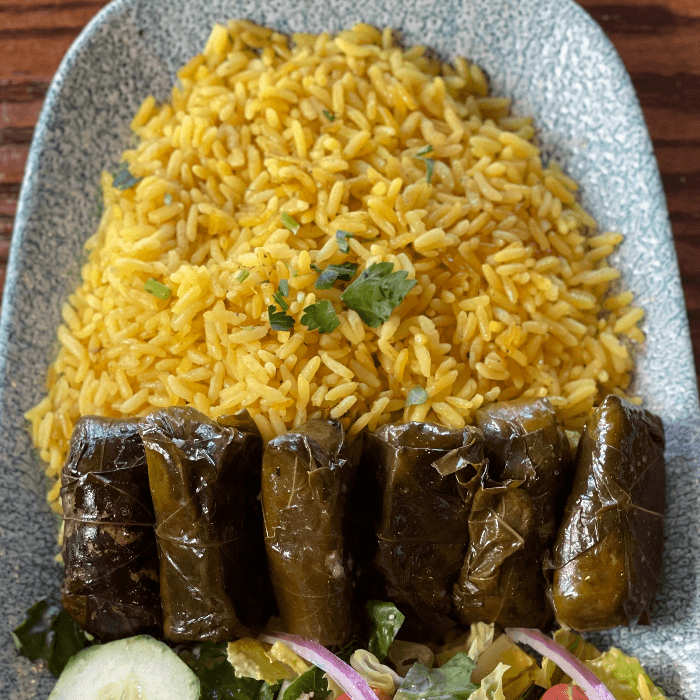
{"type": "Point", "coordinates": [555, 64]}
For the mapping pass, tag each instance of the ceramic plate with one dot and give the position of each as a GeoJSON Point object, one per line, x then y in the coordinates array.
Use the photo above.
{"type": "Point", "coordinates": [547, 55]}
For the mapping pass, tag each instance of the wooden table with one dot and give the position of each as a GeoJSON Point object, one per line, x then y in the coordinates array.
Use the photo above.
{"type": "Point", "coordinates": [659, 41]}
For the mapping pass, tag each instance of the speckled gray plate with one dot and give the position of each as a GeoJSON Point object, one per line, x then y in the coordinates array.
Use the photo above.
{"type": "Point", "coordinates": [547, 55]}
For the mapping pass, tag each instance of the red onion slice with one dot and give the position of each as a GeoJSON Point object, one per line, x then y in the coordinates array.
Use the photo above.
{"type": "Point", "coordinates": [594, 688]}
{"type": "Point", "coordinates": [343, 674]}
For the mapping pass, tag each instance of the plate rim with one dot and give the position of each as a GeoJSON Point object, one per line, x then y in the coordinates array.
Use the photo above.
{"type": "Point", "coordinates": [30, 185]}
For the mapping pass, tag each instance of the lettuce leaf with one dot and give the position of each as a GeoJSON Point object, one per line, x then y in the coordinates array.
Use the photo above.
{"type": "Point", "coordinates": [312, 682]}
{"type": "Point", "coordinates": [249, 658]}
{"type": "Point", "coordinates": [491, 686]}
{"type": "Point", "coordinates": [218, 677]}
{"type": "Point", "coordinates": [620, 673]}
{"type": "Point", "coordinates": [49, 633]}
{"type": "Point", "coordinates": [449, 682]}
{"type": "Point", "coordinates": [386, 621]}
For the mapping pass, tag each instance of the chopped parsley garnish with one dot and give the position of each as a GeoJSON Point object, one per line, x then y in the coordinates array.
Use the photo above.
{"type": "Point", "coordinates": [168, 199]}
{"type": "Point", "coordinates": [429, 167]}
{"type": "Point", "coordinates": [284, 288]}
{"type": "Point", "coordinates": [329, 115]}
{"type": "Point", "coordinates": [342, 237]}
{"type": "Point", "coordinates": [429, 162]}
{"type": "Point", "coordinates": [156, 288]}
{"type": "Point", "coordinates": [279, 320]}
{"type": "Point", "coordinates": [416, 396]}
{"type": "Point", "coordinates": [321, 316]}
{"type": "Point", "coordinates": [377, 292]}
{"type": "Point", "coordinates": [123, 179]}
{"type": "Point", "coordinates": [328, 277]}
{"type": "Point", "coordinates": [243, 275]}
{"type": "Point", "coordinates": [289, 223]}
{"type": "Point", "coordinates": [281, 301]}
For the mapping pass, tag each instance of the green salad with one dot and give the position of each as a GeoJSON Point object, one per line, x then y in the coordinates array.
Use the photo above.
{"type": "Point", "coordinates": [482, 663]}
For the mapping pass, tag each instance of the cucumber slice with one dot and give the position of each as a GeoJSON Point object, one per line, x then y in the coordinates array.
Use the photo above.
{"type": "Point", "coordinates": [138, 668]}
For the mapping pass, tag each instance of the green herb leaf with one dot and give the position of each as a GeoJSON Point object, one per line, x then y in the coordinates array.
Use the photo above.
{"type": "Point", "coordinates": [329, 115]}
{"type": "Point", "coordinates": [284, 287]}
{"type": "Point", "coordinates": [279, 321]}
{"type": "Point", "coordinates": [123, 179]}
{"type": "Point", "coordinates": [416, 396]}
{"type": "Point", "coordinates": [312, 682]}
{"type": "Point", "coordinates": [429, 167]}
{"type": "Point", "coordinates": [342, 237]}
{"type": "Point", "coordinates": [156, 288]}
{"type": "Point", "coordinates": [168, 199]}
{"type": "Point", "coordinates": [321, 316]}
{"type": "Point", "coordinates": [328, 277]}
{"type": "Point", "coordinates": [386, 622]}
{"type": "Point", "coordinates": [49, 633]}
{"type": "Point", "coordinates": [452, 681]}
{"type": "Point", "coordinates": [209, 661]}
{"type": "Point", "coordinates": [429, 162]}
{"type": "Point", "coordinates": [289, 223]}
{"type": "Point", "coordinates": [243, 276]}
{"type": "Point", "coordinates": [377, 292]}
{"type": "Point", "coordinates": [316, 268]}
{"type": "Point", "coordinates": [277, 296]}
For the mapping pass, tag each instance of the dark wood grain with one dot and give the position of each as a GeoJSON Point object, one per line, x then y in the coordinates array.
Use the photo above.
{"type": "Point", "coordinates": [658, 40]}
{"type": "Point", "coordinates": [659, 43]}
{"type": "Point", "coordinates": [34, 37]}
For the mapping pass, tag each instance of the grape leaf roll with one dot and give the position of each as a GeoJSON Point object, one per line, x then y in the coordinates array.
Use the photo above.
{"type": "Point", "coordinates": [607, 556]}
{"type": "Point", "coordinates": [205, 479]}
{"type": "Point", "coordinates": [426, 476]}
{"type": "Point", "coordinates": [515, 515]}
{"type": "Point", "coordinates": [307, 480]}
{"type": "Point", "coordinates": [111, 577]}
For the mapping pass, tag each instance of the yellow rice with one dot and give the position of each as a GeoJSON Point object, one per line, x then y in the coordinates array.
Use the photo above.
{"type": "Point", "coordinates": [513, 295]}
